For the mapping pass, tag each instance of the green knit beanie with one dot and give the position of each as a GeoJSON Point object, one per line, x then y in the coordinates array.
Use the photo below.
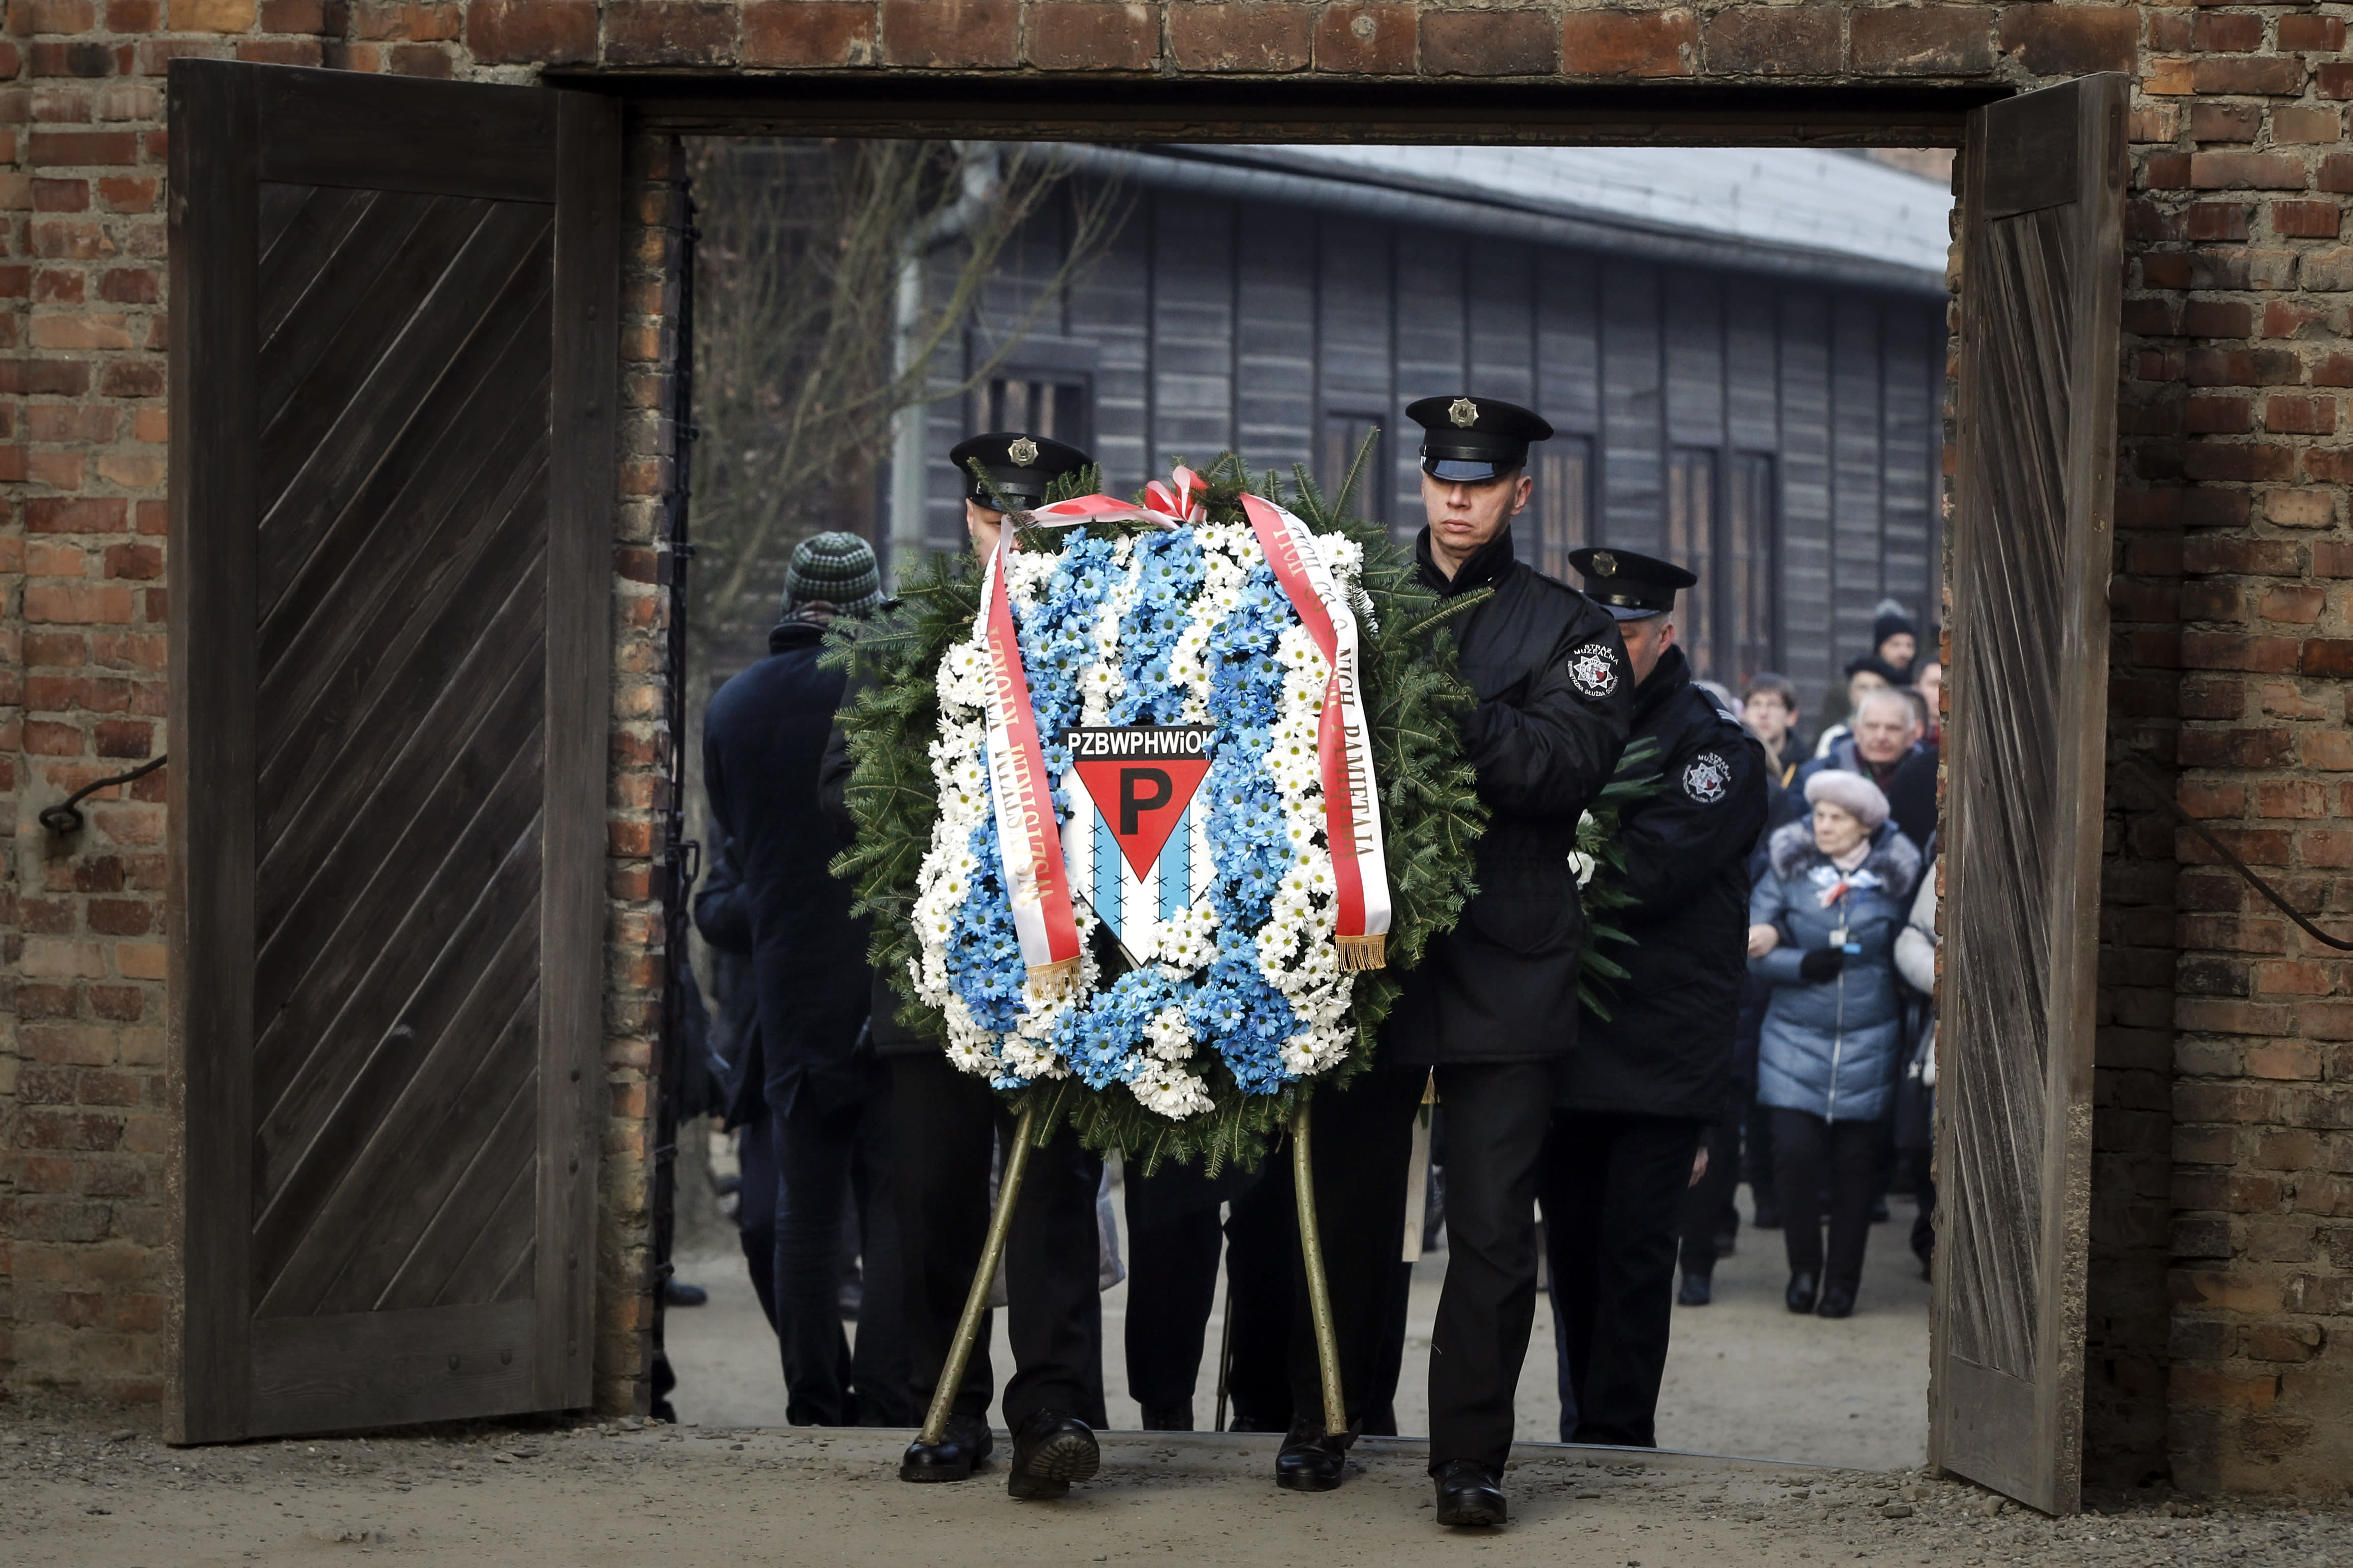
{"type": "Point", "coordinates": [836, 567]}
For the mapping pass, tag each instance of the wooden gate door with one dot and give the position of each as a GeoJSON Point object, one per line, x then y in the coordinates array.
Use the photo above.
{"type": "Point", "coordinates": [2041, 279]}
{"type": "Point", "coordinates": [394, 371]}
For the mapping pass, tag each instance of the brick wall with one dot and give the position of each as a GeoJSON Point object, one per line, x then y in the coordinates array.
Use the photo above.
{"type": "Point", "coordinates": [2221, 1323]}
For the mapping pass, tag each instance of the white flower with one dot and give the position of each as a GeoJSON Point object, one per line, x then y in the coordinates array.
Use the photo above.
{"type": "Point", "coordinates": [1582, 864]}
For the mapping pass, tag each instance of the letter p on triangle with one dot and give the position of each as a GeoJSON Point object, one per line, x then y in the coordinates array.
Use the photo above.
{"type": "Point", "coordinates": [1140, 781]}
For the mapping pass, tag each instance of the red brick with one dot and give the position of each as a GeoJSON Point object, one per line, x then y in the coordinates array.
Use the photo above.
{"type": "Point", "coordinates": [547, 32]}
{"type": "Point", "coordinates": [949, 34]}
{"type": "Point", "coordinates": [797, 32]}
{"type": "Point", "coordinates": [2072, 40]}
{"type": "Point", "coordinates": [57, 17]}
{"type": "Point", "coordinates": [2256, 75]}
{"type": "Point", "coordinates": [2307, 127]}
{"type": "Point", "coordinates": [2217, 319]}
{"type": "Point", "coordinates": [49, 514]}
{"type": "Point", "coordinates": [2231, 650]}
{"type": "Point", "coordinates": [1258, 39]}
{"type": "Point", "coordinates": [2244, 461]}
{"type": "Point", "coordinates": [2225, 122]}
{"type": "Point", "coordinates": [72, 149]}
{"type": "Point", "coordinates": [1793, 40]}
{"type": "Point", "coordinates": [2218, 415]}
{"type": "Point", "coordinates": [2306, 32]}
{"type": "Point", "coordinates": [2327, 656]}
{"type": "Point", "coordinates": [671, 32]}
{"type": "Point", "coordinates": [1097, 35]}
{"type": "Point", "coordinates": [130, 378]}
{"type": "Point", "coordinates": [2305, 220]}
{"type": "Point", "coordinates": [1628, 43]}
{"type": "Point", "coordinates": [2235, 33]}
{"type": "Point", "coordinates": [1370, 40]}
{"type": "Point", "coordinates": [294, 15]}
{"type": "Point", "coordinates": [2246, 171]}
{"type": "Point", "coordinates": [2219, 220]}
{"type": "Point", "coordinates": [2331, 465]}
{"type": "Point", "coordinates": [1495, 43]}
{"type": "Point", "coordinates": [2166, 172]}
{"type": "Point", "coordinates": [2300, 415]}
{"type": "Point", "coordinates": [2336, 173]}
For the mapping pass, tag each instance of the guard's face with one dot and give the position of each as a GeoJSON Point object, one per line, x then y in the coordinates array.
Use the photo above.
{"type": "Point", "coordinates": [1885, 730]}
{"type": "Point", "coordinates": [1646, 640]}
{"type": "Point", "coordinates": [983, 524]}
{"type": "Point", "coordinates": [1465, 518]}
{"type": "Point", "coordinates": [1837, 830]}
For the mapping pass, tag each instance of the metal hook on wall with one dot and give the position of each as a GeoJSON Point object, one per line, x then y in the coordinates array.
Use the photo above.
{"type": "Point", "coordinates": [66, 815]}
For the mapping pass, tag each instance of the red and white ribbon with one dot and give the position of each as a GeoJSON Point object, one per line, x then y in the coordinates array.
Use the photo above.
{"type": "Point", "coordinates": [1031, 848]}
{"type": "Point", "coordinates": [1352, 805]}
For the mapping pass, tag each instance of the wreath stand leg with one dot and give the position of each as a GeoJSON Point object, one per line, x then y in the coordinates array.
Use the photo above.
{"type": "Point", "coordinates": [976, 1300]}
{"type": "Point", "coordinates": [1319, 1289]}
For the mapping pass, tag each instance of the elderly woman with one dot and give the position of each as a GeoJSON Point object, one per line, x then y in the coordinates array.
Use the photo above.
{"type": "Point", "coordinates": [1823, 923]}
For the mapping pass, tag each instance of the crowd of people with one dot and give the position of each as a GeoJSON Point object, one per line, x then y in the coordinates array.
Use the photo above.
{"type": "Point", "coordinates": [1771, 1025]}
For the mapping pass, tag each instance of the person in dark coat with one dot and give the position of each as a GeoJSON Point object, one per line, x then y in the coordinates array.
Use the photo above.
{"type": "Point", "coordinates": [950, 1126]}
{"type": "Point", "coordinates": [1493, 1001]}
{"type": "Point", "coordinates": [723, 914]}
{"type": "Point", "coordinates": [1823, 923]}
{"type": "Point", "coordinates": [1651, 1079]}
{"type": "Point", "coordinates": [828, 1097]}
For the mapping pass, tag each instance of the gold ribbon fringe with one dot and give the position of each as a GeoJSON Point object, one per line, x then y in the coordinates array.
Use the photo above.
{"type": "Point", "coordinates": [1056, 979]}
{"type": "Point", "coordinates": [1363, 951]}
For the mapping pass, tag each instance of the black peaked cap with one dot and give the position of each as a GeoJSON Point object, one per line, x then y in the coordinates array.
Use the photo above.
{"type": "Point", "coordinates": [1631, 587]}
{"type": "Point", "coordinates": [1022, 466]}
{"type": "Point", "coordinates": [1468, 440]}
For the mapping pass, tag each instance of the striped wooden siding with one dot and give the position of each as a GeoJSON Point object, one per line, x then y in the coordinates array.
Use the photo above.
{"type": "Point", "coordinates": [1211, 324]}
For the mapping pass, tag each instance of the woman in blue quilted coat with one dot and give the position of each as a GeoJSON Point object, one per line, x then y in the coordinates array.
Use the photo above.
{"type": "Point", "coordinates": [1823, 923]}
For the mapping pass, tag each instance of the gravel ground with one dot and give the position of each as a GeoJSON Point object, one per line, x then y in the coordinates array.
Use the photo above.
{"type": "Point", "coordinates": [1743, 1376]}
{"type": "Point", "coordinates": [99, 1491]}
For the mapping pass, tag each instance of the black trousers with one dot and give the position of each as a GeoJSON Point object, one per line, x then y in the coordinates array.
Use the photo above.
{"type": "Point", "coordinates": [947, 1122]}
{"type": "Point", "coordinates": [833, 1158]}
{"type": "Point", "coordinates": [1708, 1208]}
{"type": "Point", "coordinates": [1805, 1149]}
{"type": "Point", "coordinates": [1261, 1274]}
{"type": "Point", "coordinates": [756, 1211]}
{"type": "Point", "coordinates": [1496, 1118]}
{"type": "Point", "coordinates": [1613, 1192]}
{"type": "Point", "coordinates": [1173, 1237]}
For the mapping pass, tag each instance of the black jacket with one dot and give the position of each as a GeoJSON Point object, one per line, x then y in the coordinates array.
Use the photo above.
{"type": "Point", "coordinates": [1555, 698]}
{"type": "Point", "coordinates": [763, 738]}
{"type": "Point", "coordinates": [723, 914]}
{"type": "Point", "coordinates": [890, 1038]}
{"type": "Point", "coordinates": [1666, 1047]}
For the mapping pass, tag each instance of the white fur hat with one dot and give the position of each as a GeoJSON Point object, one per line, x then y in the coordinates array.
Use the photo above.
{"type": "Point", "coordinates": [1850, 793]}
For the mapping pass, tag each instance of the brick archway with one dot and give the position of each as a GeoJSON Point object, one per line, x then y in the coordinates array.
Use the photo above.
{"type": "Point", "coordinates": [2219, 1172]}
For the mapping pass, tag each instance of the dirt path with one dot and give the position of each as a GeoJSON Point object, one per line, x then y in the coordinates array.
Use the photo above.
{"type": "Point", "coordinates": [546, 1495]}
{"type": "Point", "coordinates": [1744, 1374]}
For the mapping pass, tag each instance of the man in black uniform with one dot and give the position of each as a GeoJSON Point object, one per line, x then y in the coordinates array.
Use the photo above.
{"type": "Point", "coordinates": [1494, 1002]}
{"type": "Point", "coordinates": [1647, 1082]}
{"type": "Point", "coordinates": [948, 1124]}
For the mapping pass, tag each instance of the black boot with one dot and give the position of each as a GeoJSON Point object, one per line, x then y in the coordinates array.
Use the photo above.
{"type": "Point", "coordinates": [1050, 1450]}
{"type": "Point", "coordinates": [1697, 1290]}
{"type": "Point", "coordinates": [1803, 1289]}
{"type": "Point", "coordinates": [1313, 1460]}
{"type": "Point", "coordinates": [1837, 1300]}
{"type": "Point", "coordinates": [1469, 1493]}
{"type": "Point", "coordinates": [965, 1444]}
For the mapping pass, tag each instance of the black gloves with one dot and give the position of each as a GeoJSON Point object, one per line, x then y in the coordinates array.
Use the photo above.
{"type": "Point", "coordinates": [1822, 963]}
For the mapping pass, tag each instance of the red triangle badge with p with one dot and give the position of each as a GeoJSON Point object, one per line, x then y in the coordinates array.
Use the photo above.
{"type": "Point", "coordinates": [1141, 778]}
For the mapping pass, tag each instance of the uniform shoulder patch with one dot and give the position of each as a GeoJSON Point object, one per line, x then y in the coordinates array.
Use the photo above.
{"type": "Point", "coordinates": [1593, 668]}
{"type": "Point", "coordinates": [1707, 777]}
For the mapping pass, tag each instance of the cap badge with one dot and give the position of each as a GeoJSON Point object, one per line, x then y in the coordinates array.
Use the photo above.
{"type": "Point", "coordinates": [1604, 564]}
{"type": "Point", "coordinates": [1023, 451]}
{"type": "Point", "coordinates": [1463, 411]}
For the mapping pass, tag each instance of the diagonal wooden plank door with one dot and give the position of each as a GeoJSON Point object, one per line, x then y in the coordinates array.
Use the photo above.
{"type": "Point", "coordinates": [393, 368]}
{"type": "Point", "coordinates": [2041, 279]}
